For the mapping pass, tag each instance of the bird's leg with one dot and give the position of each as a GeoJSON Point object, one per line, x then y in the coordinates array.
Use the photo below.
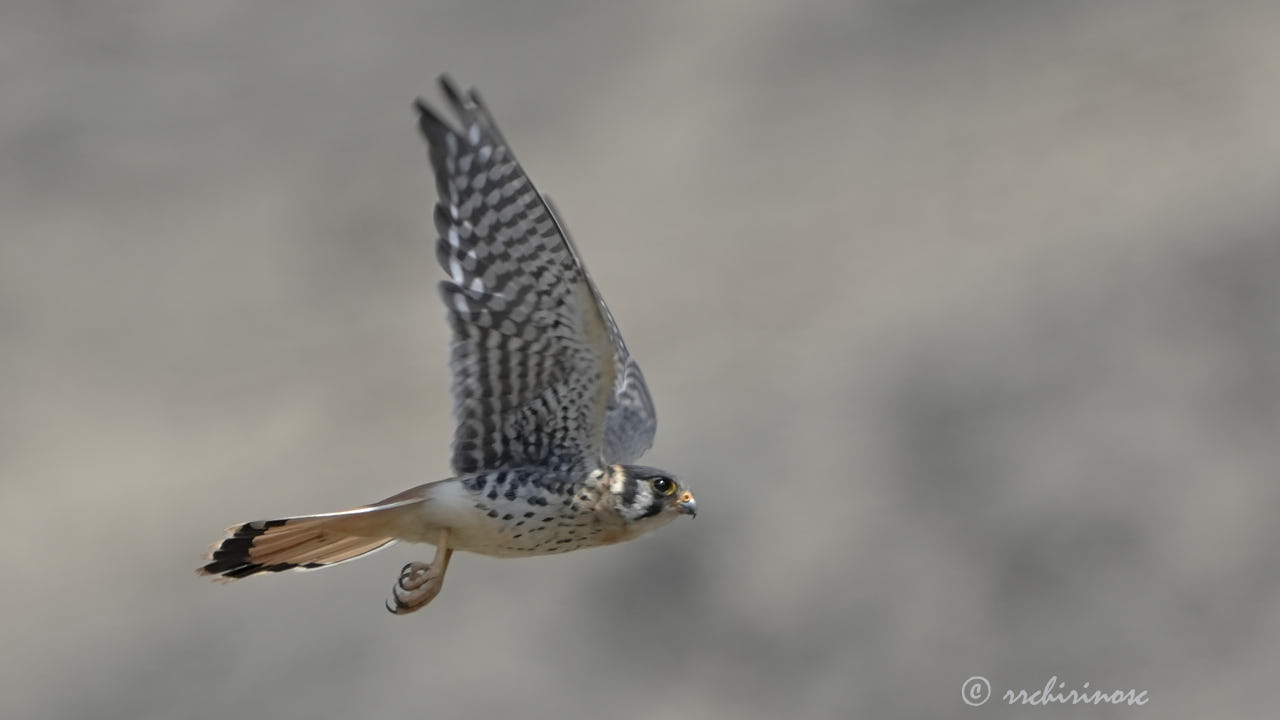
{"type": "Point", "coordinates": [419, 583]}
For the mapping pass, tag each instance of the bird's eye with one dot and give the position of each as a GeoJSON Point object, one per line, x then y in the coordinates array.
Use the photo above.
{"type": "Point", "coordinates": [663, 486]}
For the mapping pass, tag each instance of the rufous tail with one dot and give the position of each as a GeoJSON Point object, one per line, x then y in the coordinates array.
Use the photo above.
{"type": "Point", "coordinates": [306, 542]}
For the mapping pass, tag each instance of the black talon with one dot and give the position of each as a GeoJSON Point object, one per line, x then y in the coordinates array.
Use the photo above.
{"type": "Point", "coordinates": [399, 605]}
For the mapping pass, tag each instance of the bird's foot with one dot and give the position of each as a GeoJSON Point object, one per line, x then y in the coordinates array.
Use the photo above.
{"type": "Point", "coordinates": [417, 585]}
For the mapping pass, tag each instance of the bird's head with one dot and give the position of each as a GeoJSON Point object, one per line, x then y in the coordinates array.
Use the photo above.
{"type": "Point", "coordinates": [649, 496]}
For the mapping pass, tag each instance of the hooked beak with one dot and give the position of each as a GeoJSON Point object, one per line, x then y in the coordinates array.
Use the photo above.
{"type": "Point", "coordinates": [688, 505]}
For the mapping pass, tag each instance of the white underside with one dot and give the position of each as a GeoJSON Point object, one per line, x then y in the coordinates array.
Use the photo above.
{"type": "Point", "coordinates": [448, 505]}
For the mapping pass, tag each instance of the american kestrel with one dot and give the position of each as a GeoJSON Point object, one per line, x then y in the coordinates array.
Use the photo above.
{"type": "Point", "coordinates": [549, 404]}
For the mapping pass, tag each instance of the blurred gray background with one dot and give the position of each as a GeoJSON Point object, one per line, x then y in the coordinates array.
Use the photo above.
{"type": "Point", "coordinates": [961, 318]}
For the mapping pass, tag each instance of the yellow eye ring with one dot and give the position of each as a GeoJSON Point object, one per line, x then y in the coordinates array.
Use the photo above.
{"type": "Point", "coordinates": [663, 486]}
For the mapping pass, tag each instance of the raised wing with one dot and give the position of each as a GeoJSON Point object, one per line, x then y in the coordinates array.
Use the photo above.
{"type": "Point", "coordinates": [630, 420]}
{"type": "Point", "coordinates": [534, 361]}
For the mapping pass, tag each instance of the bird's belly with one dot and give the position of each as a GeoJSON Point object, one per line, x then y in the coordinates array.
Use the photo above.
{"type": "Point", "coordinates": [517, 523]}
{"type": "Point", "coordinates": [519, 532]}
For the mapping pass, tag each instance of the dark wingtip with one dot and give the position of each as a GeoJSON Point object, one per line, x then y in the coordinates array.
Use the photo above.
{"type": "Point", "coordinates": [451, 92]}
{"type": "Point", "coordinates": [429, 122]}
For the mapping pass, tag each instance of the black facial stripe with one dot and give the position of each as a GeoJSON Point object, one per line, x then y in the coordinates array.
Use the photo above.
{"type": "Point", "coordinates": [654, 508]}
{"type": "Point", "coordinates": [630, 486]}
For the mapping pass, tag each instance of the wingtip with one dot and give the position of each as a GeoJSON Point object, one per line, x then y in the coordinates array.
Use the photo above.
{"type": "Point", "coordinates": [429, 123]}
{"type": "Point", "coordinates": [451, 92]}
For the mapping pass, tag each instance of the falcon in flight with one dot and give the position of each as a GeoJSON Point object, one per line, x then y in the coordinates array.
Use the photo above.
{"type": "Point", "coordinates": [549, 404]}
